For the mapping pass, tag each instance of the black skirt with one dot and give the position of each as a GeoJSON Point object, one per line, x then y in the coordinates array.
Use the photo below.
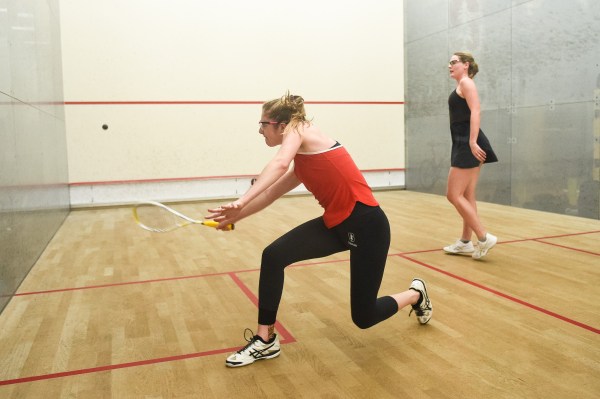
{"type": "Point", "coordinates": [461, 156]}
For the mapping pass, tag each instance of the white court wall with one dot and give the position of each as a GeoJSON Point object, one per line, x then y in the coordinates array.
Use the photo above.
{"type": "Point", "coordinates": [179, 85]}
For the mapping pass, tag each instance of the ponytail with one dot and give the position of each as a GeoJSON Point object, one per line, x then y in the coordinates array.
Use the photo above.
{"type": "Point", "coordinates": [287, 109]}
{"type": "Point", "coordinates": [465, 56]}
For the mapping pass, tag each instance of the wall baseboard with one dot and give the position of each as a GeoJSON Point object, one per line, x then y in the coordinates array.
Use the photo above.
{"type": "Point", "coordinates": [84, 195]}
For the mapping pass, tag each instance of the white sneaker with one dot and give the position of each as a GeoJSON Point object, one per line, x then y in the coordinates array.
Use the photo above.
{"type": "Point", "coordinates": [424, 310]}
{"type": "Point", "coordinates": [256, 349]}
{"type": "Point", "coordinates": [460, 247]}
{"type": "Point", "coordinates": [484, 246]}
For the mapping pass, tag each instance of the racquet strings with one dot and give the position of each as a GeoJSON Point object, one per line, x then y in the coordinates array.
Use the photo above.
{"type": "Point", "coordinates": [157, 218]}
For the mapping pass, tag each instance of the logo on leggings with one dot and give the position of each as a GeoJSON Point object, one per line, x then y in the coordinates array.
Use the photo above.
{"type": "Point", "coordinates": [352, 239]}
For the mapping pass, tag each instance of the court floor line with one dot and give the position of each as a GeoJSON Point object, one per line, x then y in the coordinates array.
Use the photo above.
{"type": "Point", "coordinates": [568, 247]}
{"type": "Point", "coordinates": [539, 239]}
{"type": "Point", "coordinates": [503, 295]}
{"type": "Point", "coordinates": [163, 279]}
{"type": "Point", "coordinates": [285, 334]}
{"type": "Point", "coordinates": [115, 366]}
{"type": "Point", "coordinates": [156, 280]}
{"type": "Point", "coordinates": [302, 264]}
{"type": "Point", "coordinates": [287, 338]}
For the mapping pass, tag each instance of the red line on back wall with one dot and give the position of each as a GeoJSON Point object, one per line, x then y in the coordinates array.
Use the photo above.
{"type": "Point", "coordinates": [211, 102]}
{"type": "Point", "coordinates": [229, 102]}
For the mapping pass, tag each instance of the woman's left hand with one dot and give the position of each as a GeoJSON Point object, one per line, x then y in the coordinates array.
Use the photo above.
{"type": "Point", "coordinates": [226, 214]}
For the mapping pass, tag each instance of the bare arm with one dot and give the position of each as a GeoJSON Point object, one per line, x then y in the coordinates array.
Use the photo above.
{"type": "Point", "coordinates": [275, 169]}
{"type": "Point", "coordinates": [225, 216]}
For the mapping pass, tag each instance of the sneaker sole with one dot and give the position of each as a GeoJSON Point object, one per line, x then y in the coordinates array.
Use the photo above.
{"type": "Point", "coordinates": [255, 360]}
{"type": "Point", "coordinates": [459, 253]}
{"type": "Point", "coordinates": [481, 255]}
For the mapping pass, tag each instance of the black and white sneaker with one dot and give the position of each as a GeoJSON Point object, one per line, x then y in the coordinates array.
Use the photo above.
{"type": "Point", "coordinates": [256, 349]}
{"type": "Point", "coordinates": [424, 310]}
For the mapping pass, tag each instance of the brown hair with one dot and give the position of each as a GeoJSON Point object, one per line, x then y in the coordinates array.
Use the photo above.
{"type": "Point", "coordinates": [287, 109]}
{"type": "Point", "coordinates": [465, 56]}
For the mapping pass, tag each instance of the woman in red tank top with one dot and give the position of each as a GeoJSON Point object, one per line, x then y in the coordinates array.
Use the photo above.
{"type": "Point", "coordinates": [352, 221]}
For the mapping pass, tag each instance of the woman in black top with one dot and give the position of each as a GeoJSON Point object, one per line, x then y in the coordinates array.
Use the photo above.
{"type": "Point", "coordinates": [470, 150]}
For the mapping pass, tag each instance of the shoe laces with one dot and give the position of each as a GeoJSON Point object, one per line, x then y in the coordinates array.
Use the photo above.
{"type": "Point", "coordinates": [420, 309]}
{"type": "Point", "coordinates": [250, 340]}
{"type": "Point", "coordinates": [418, 312]}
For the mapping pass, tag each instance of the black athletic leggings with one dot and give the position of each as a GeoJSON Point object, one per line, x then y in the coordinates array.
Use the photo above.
{"type": "Point", "coordinates": [366, 233]}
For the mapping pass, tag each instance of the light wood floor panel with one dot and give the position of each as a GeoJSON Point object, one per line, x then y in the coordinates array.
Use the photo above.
{"type": "Point", "coordinates": [588, 243]}
{"type": "Point", "coordinates": [130, 314]}
{"type": "Point", "coordinates": [524, 270]}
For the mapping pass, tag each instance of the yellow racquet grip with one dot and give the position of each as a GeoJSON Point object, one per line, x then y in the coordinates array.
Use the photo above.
{"type": "Point", "coordinates": [212, 223]}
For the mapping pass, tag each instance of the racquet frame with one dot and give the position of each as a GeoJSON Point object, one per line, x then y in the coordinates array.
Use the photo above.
{"type": "Point", "coordinates": [185, 220]}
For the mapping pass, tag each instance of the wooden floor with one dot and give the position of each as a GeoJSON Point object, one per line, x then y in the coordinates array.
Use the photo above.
{"type": "Point", "coordinates": [112, 311]}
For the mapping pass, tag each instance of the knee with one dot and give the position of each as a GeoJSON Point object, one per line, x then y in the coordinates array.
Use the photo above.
{"type": "Point", "coordinates": [362, 322]}
{"type": "Point", "coordinates": [451, 197]}
{"type": "Point", "coordinates": [455, 196]}
{"type": "Point", "coordinates": [272, 255]}
{"type": "Point", "coordinates": [362, 326]}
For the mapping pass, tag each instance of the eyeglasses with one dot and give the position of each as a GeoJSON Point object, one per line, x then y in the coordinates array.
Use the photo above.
{"type": "Point", "coordinates": [454, 62]}
{"type": "Point", "coordinates": [265, 123]}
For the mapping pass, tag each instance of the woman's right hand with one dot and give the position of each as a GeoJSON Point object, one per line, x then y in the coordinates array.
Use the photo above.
{"type": "Point", "coordinates": [478, 152]}
{"type": "Point", "coordinates": [226, 214]}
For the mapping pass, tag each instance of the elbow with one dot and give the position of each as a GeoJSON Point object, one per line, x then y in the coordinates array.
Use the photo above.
{"type": "Point", "coordinates": [281, 166]}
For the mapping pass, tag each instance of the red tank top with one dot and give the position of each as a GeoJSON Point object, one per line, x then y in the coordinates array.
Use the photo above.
{"type": "Point", "coordinates": [335, 181]}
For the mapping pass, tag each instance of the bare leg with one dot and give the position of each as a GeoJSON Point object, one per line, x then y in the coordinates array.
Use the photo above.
{"type": "Point", "coordinates": [467, 232]}
{"type": "Point", "coordinates": [462, 184]}
{"type": "Point", "coordinates": [470, 196]}
{"type": "Point", "coordinates": [408, 297]}
{"type": "Point", "coordinates": [265, 332]}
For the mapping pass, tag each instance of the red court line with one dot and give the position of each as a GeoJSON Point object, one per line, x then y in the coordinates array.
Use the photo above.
{"type": "Point", "coordinates": [287, 337]}
{"type": "Point", "coordinates": [217, 102]}
{"type": "Point", "coordinates": [355, 102]}
{"type": "Point", "coordinates": [158, 280]}
{"type": "Point", "coordinates": [115, 366]}
{"type": "Point", "coordinates": [285, 334]}
{"type": "Point", "coordinates": [567, 235]}
{"type": "Point", "coordinates": [304, 264]}
{"type": "Point", "coordinates": [214, 102]}
{"type": "Point", "coordinates": [566, 247]}
{"type": "Point", "coordinates": [420, 251]}
{"type": "Point", "coordinates": [503, 295]}
{"type": "Point", "coordinates": [550, 237]}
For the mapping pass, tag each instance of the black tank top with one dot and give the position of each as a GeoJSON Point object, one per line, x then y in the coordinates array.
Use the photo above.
{"type": "Point", "coordinates": [459, 109]}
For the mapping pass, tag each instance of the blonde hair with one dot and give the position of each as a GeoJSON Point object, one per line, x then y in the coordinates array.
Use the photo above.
{"type": "Point", "coordinates": [287, 109]}
{"type": "Point", "coordinates": [465, 56]}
